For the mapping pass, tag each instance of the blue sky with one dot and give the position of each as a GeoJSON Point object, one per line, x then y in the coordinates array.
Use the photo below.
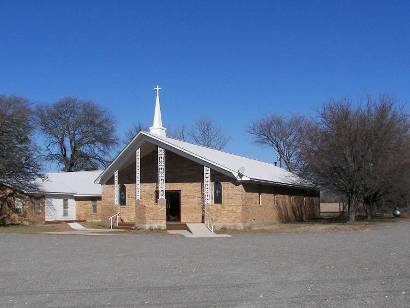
{"type": "Point", "coordinates": [234, 61]}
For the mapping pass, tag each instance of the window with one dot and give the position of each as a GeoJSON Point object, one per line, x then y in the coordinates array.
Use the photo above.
{"type": "Point", "coordinates": [274, 200]}
{"type": "Point", "coordinates": [260, 198]}
{"type": "Point", "coordinates": [37, 205]}
{"type": "Point", "coordinates": [218, 193]}
{"type": "Point", "coordinates": [123, 194]}
{"type": "Point", "coordinates": [65, 207]}
{"type": "Point", "coordinates": [18, 205]}
{"type": "Point", "coordinates": [94, 206]}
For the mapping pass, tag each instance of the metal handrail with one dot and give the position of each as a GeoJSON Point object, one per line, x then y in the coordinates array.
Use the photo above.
{"type": "Point", "coordinates": [208, 220]}
{"type": "Point", "coordinates": [117, 218]}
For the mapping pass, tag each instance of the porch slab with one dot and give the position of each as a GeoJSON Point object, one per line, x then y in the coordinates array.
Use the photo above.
{"type": "Point", "coordinates": [196, 230]}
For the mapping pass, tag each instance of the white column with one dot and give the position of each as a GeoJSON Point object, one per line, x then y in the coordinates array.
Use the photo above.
{"type": "Point", "coordinates": [116, 189]}
{"type": "Point", "coordinates": [138, 174]}
{"type": "Point", "coordinates": [161, 173]}
{"type": "Point", "coordinates": [207, 185]}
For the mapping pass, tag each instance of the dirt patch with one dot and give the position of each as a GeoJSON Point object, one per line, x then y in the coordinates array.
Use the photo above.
{"type": "Point", "coordinates": [147, 232]}
{"type": "Point", "coordinates": [405, 215]}
{"type": "Point", "coordinates": [298, 228]}
{"type": "Point", "coordinates": [92, 225]}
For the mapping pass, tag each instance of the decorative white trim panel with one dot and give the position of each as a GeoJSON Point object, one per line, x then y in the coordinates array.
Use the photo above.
{"type": "Point", "coordinates": [161, 173]}
{"type": "Point", "coordinates": [138, 174]}
{"type": "Point", "coordinates": [207, 185]}
{"type": "Point", "coordinates": [116, 189]}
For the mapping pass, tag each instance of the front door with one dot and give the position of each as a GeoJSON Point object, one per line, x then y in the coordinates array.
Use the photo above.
{"type": "Point", "coordinates": [173, 199]}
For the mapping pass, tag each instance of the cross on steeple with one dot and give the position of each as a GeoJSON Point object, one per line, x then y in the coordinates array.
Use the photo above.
{"type": "Point", "coordinates": [157, 88]}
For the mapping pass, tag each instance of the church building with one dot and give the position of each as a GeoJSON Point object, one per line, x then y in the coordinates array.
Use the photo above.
{"type": "Point", "coordinates": [157, 181]}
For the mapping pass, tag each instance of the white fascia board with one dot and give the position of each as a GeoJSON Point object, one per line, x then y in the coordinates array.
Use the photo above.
{"type": "Point", "coordinates": [121, 157]}
{"type": "Point", "coordinates": [98, 180]}
{"type": "Point", "coordinates": [59, 194]}
{"type": "Point", "coordinates": [36, 193]}
{"type": "Point", "coordinates": [296, 185]}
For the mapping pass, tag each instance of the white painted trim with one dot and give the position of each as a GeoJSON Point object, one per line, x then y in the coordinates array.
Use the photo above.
{"type": "Point", "coordinates": [207, 185]}
{"type": "Point", "coordinates": [138, 174]}
{"type": "Point", "coordinates": [116, 189]}
{"type": "Point", "coordinates": [161, 173]}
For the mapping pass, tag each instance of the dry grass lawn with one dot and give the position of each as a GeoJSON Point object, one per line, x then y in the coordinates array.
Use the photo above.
{"type": "Point", "coordinates": [35, 228]}
{"type": "Point", "coordinates": [298, 228]}
{"type": "Point", "coordinates": [328, 224]}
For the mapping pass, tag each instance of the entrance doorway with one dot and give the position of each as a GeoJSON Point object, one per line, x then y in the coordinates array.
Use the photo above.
{"type": "Point", "coordinates": [173, 208]}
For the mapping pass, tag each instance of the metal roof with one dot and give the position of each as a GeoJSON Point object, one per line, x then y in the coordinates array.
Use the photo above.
{"type": "Point", "coordinates": [236, 166]}
{"type": "Point", "coordinates": [79, 183]}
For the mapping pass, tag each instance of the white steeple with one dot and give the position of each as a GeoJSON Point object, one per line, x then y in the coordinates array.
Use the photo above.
{"type": "Point", "coordinates": [157, 128]}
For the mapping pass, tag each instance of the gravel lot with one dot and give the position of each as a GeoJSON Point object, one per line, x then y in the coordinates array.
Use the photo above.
{"type": "Point", "coordinates": [344, 269]}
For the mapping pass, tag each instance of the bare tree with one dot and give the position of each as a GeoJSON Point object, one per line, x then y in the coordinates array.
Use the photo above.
{"type": "Point", "coordinates": [384, 152]}
{"type": "Point", "coordinates": [207, 133]}
{"type": "Point", "coordinates": [180, 133]}
{"type": "Point", "coordinates": [79, 134]}
{"type": "Point", "coordinates": [331, 149]}
{"type": "Point", "coordinates": [18, 154]}
{"type": "Point", "coordinates": [361, 153]}
{"type": "Point", "coordinates": [283, 135]}
{"type": "Point", "coordinates": [133, 131]}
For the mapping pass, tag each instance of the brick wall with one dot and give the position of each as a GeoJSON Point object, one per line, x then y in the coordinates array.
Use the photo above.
{"type": "Point", "coordinates": [28, 213]}
{"type": "Point", "coordinates": [248, 204]}
{"type": "Point", "coordinates": [107, 205]}
{"type": "Point", "coordinates": [84, 210]}
{"type": "Point", "coordinates": [31, 214]}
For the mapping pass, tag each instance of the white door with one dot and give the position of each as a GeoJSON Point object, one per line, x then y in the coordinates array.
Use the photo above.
{"type": "Point", "coordinates": [60, 209]}
{"type": "Point", "coordinates": [51, 211]}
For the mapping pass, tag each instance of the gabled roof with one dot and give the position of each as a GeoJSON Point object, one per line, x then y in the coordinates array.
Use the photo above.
{"type": "Point", "coordinates": [79, 183]}
{"type": "Point", "coordinates": [235, 166]}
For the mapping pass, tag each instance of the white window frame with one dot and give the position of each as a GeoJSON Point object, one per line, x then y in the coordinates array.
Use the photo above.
{"type": "Point", "coordinates": [18, 205]}
{"type": "Point", "coordinates": [94, 206]}
{"type": "Point", "coordinates": [213, 193]}
{"type": "Point", "coordinates": [37, 205]}
{"type": "Point", "coordinates": [65, 209]}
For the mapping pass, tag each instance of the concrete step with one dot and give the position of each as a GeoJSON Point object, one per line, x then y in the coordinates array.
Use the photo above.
{"type": "Point", "coordinates": [200, 230]}
{"type": "Point", "coordinates": [76, 226]}
{"type": "Point", "coordinates": [176, 226]}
